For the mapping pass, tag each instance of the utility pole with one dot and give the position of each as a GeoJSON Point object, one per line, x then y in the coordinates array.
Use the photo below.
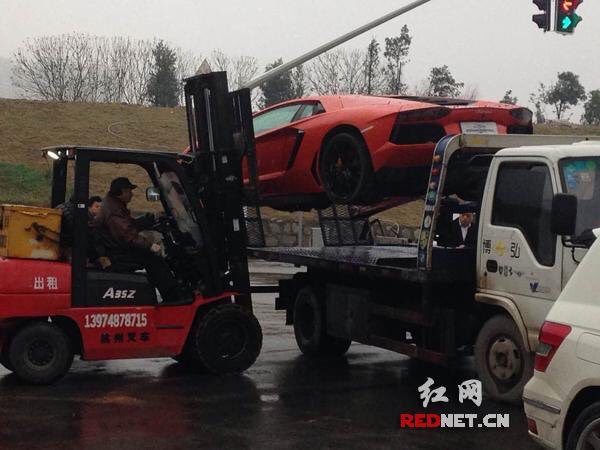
{"type": "Point", "coordinates": [332, 44]}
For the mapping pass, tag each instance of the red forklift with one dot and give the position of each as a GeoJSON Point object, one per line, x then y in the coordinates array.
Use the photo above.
{"type": "Point", "coordinates": [53, 310]}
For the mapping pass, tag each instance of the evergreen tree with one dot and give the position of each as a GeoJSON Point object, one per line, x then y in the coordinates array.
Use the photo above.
{"type": "Point", "coordinates": [277, 89]}
{"type": "Point", "coordinates": [163, 87]}
{"type": "Point", "coordinates": [372, 68]}
{"type": "Point", "coordinates": [592, 108]}
{"type": "Point", "coordinates": [396, 52]}
{"type": "Point", "coordinates": [442, 83]}
{"type": "Point", "coordinates": [509, 99]}
{"type": "Point", "coordinates": [565, 93]}
{"type": "Point", "coordinates": [298, 82]}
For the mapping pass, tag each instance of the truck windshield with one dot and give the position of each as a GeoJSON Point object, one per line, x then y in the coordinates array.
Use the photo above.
{"type": "Point", "coordinates": [581, 178]}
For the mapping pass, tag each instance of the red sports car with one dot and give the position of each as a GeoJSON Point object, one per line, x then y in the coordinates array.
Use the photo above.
{"type": "Point", "coordinates": [356, 148]}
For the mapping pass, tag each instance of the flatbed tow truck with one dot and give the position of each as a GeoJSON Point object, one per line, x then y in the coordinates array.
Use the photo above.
{"type": "Point", "coordinates": [437, 303]}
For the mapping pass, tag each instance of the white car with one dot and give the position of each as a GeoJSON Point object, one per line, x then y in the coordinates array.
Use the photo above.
{"type": "Point", "coordinates": [562, 400]}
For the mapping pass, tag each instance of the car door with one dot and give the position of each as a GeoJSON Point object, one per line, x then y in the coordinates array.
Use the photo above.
{"type": "Point", "coordinates": [276, 141]}
{"type": "Point", "coordinates": [521, 258]}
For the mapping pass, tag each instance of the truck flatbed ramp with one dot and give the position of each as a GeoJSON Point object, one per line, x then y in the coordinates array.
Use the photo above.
{"type": "Point", "coordinates": [377, 261]}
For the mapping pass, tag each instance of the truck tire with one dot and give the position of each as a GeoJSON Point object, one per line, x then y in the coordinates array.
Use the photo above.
{"type": "Point", "coordinates": [346, 169]}
{"type": "Point", "coordinates": [310, 327]}
{"type": "Point", "coordinates": [40, 353]}
{"type": "Point", "coordinates": [227, 339]}
{"type": "Point", "coordinates": [586, 429]}
{"type": "Point", "coordinates": [503, 363]}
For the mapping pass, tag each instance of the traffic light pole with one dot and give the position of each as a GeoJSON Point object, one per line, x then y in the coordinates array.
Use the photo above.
{"type": "Point", "coordinates": [328, 46]}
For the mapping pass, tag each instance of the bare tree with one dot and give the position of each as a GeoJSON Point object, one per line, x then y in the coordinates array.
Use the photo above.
{"type": "Point", "coordinates": [352, 75]}
{"type": "Point", "coordinates": [324, 73]}
{"type": "Point", "coordinates": [338, 72]}
{"type": "Point", "coordinates": [240, 69]}
{"type": "Point", "coordinates": [41, 68]}
{"type": "Point", "coordinates": [139, 72]}
{"type": "Point", "coordinates": [470, 92]}
{"type": "Point", "coordinates": [79, 67]}
{"type": "Point", "coordinates": [187, 64]}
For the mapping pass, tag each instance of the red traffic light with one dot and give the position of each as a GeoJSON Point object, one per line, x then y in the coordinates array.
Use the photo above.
{"type": "Point", "coordinates": [568, 6]}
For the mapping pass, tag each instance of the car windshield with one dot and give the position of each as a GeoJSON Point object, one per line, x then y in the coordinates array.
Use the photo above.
{"type": "Point", "coordinates": [581, 178]}
{"type": "Point", "coordinates": [179, 205]}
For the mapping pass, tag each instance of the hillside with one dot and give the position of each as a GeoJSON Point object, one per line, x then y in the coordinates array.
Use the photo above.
{"type": "Point", "coordinates": [27, 126]}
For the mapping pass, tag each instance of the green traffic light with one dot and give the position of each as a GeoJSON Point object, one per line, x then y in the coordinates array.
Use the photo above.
{"type": "Point", "coordinates": [570, 22]}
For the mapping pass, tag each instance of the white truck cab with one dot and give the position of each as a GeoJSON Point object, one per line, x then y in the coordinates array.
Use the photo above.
{"type": "Point", "coordinates": [522, 266]}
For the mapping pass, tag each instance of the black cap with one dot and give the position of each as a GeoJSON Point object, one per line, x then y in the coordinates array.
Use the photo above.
{"type": "Point", "coordinates": [118, 184]}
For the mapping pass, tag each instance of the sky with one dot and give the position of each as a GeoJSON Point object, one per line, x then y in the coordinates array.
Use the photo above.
{"type": "Point", "coordinates": [490, 44]}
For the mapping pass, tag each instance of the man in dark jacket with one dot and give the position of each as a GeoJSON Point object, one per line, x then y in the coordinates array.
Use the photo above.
{"type": "Point", "coordinates": [115, 219]}
{"type": "Point", "coordinates": [464, 232]}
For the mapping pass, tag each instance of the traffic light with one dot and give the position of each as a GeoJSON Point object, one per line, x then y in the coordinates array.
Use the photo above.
{"type": "Point", "coordinates": [544, 19]}
{"type": "Point", "coordinates": [566, 19]}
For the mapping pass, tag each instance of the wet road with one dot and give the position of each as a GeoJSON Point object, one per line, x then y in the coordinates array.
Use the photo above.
{"type": "Point", "coordinates": [284, 401]}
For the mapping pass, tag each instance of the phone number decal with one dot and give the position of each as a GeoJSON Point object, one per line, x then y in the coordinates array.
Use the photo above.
{"type": "Point", "coordinates": [120, 320]}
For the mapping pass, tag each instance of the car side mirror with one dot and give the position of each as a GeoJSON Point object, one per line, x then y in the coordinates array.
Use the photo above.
{"type": "Point", "coordinates": [153, 194]}
{"type": "Point", "coordinates": [563, 216]}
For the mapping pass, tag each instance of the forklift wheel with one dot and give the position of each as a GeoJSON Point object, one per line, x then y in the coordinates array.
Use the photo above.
{"type": "Point", "coordinates": [40, 353]}
{"type": "Point", "coordinates": [4, 361]}
{"type": "Point", "coordinates": [310, 329]}
{"type": "Point", "coordinates": [227, 339]}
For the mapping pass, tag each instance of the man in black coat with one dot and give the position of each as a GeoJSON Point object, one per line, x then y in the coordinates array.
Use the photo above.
{"type": "Point", "coordinates": [464, 231]}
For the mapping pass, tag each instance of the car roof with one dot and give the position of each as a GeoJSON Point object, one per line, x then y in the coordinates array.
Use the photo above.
{"type": "Point", "coordinates": [578, 302]}
{"type": "Point", "coordinates": [336, 102]}
{"type": "Point", "coordinates": [555, 152]}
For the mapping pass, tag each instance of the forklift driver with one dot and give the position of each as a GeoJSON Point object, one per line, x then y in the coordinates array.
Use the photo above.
{"type": "Point", "coordinates": [115, 219]}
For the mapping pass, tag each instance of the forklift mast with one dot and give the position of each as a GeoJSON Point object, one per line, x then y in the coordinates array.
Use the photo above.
{"type": "Point", "coordinates": [222, 139]}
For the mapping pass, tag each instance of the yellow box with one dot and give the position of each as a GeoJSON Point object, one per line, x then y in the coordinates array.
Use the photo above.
{"type": "Point", "coordinates": [29, 232]}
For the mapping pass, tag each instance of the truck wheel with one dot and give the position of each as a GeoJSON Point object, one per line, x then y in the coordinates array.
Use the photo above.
{"type": "Point", "coordinates": [310, 329]}
{"type": "Point", "coordinates": [346, 169]}
{"type": "Point", "coordinates": [585, 432]}
{"type": "Point", "coordinates": [503, 364]}
{"type": "Point", "coordinates": [227, 339]}
{"type": "Point", "coordinates": [40, 353]}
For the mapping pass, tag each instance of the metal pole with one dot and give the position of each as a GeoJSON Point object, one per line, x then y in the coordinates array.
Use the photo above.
{"type": "Point", "coordinates": [300, 227]}
{"type": "Point", "coordinates": [326, 47]}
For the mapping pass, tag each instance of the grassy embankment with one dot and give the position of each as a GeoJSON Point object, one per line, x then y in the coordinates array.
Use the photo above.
{"type": "Point", "coordinates": [27, 126]}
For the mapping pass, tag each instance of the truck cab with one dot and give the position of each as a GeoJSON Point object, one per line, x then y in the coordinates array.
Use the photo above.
{"type": "Point", "coordinates": [519, 258]}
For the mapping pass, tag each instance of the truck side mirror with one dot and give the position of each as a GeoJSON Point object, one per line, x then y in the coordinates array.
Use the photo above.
{"type": "Point", "coordinates": [563, 217]}
{"type": "Point", "coordinates": [153, 194]}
